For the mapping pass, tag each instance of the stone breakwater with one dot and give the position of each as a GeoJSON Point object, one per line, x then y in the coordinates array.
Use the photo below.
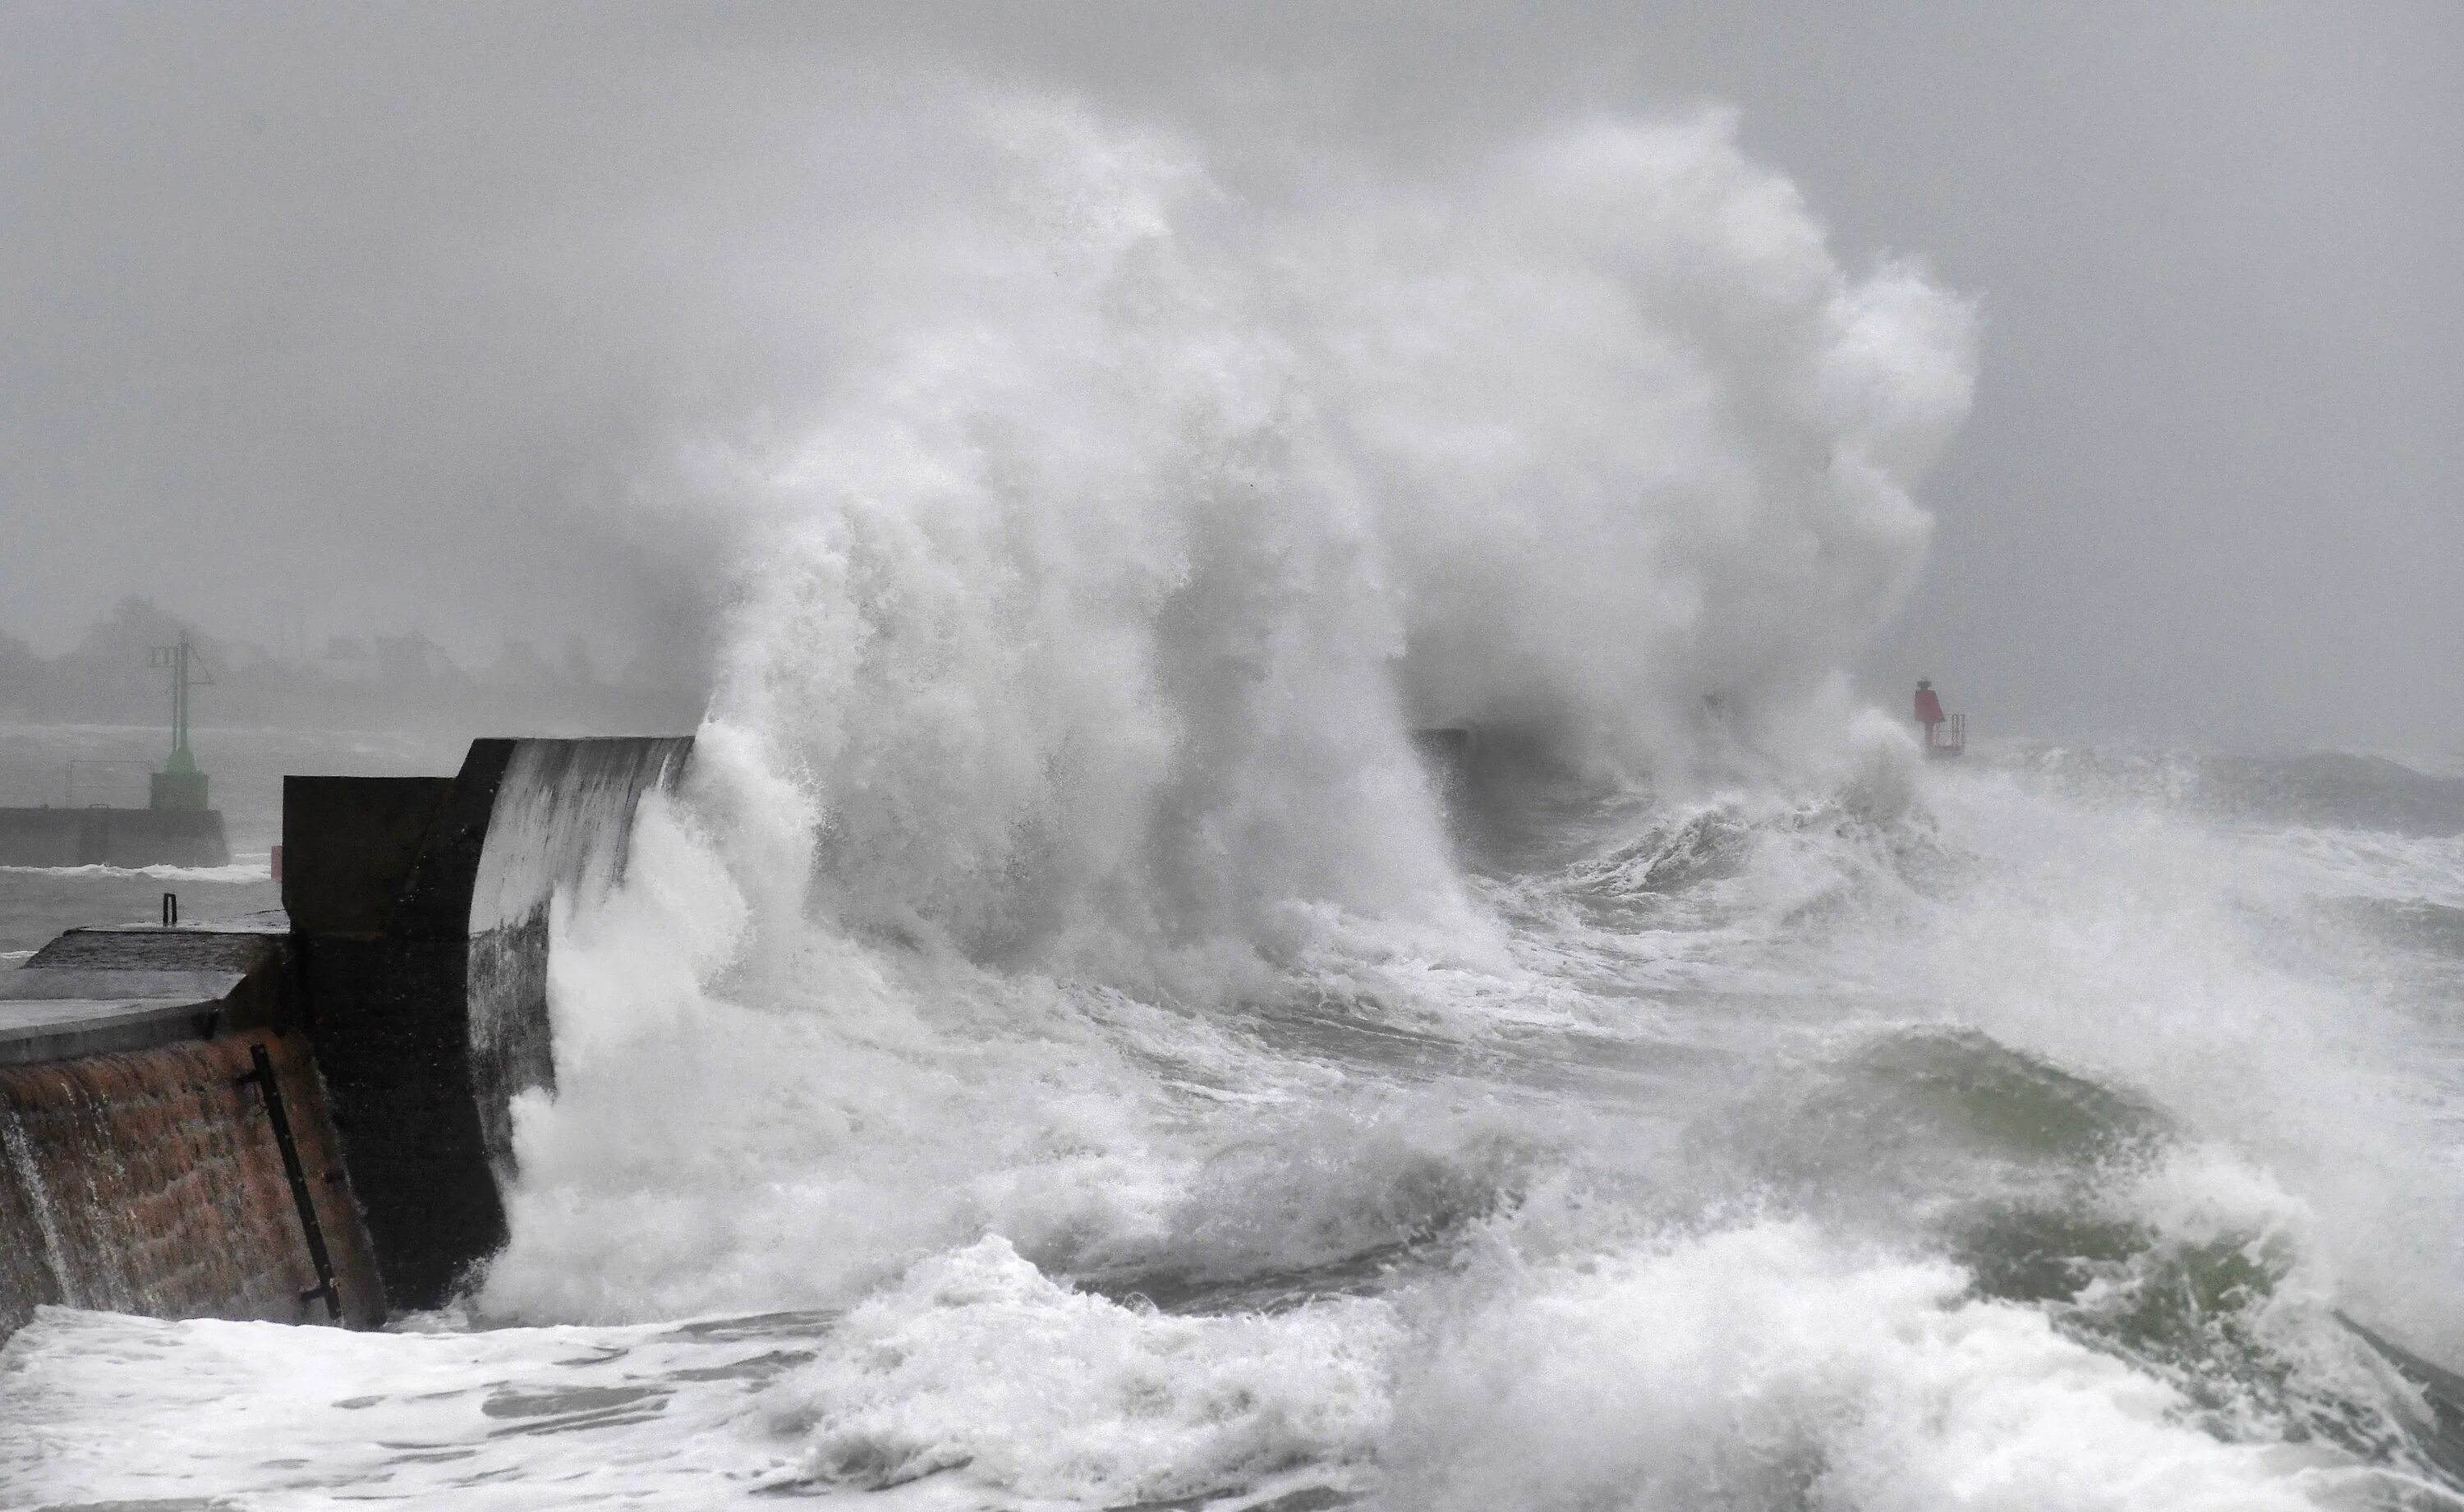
{"type": "Point", "coordinates": [112, 837]}
{"type": "Point", "coordinates": [300, 1117]}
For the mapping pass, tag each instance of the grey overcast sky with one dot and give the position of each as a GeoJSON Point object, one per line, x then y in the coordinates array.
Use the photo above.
{"type": "Point", "coordinates": [332, 318]}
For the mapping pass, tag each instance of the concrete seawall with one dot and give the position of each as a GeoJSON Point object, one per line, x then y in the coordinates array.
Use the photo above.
{"type": "Point", "coordinates": [112, 837]}
{"type": "Point", "coordinates": [419, 907]}
{"type": "Point", "coordinates": [305, 1117]}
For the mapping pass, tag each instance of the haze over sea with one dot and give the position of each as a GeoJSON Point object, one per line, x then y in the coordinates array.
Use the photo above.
{"type": "Point", "coordinates": [1062, 1048]}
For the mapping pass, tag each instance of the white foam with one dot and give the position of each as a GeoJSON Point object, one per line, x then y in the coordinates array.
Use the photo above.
{"type": "Point", "coordinates": [1092, 1403]}
{"type": "Point", "coordinates": [1750, 1366]}
{"type": "Point", "coordinates": [1766, 1365]}
{"type": "Point", "coordinates": [746, 1123]}
{"type": "Point", "coordinates": [100, 1408]}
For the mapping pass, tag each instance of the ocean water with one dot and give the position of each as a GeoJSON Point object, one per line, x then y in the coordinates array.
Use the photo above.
{"type": "Point", "coordinates": [1061, 1048]}
{"type": "Point", "coordinates": [1948, 1139]}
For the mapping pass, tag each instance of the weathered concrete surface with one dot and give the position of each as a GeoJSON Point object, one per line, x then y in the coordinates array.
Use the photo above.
{"type": "Point", "coordinates": [419, 908]}
{"type": "Point", "coordinates": [386, 989]}
{"type": "Point", "coordinates": [91, 991]}
{"type": "Point", "coordinates": [139, 1166]}
{"type": "Point", "coordinates": [348, 845]}
{"type": "Point", "coordinates": [112, 837]}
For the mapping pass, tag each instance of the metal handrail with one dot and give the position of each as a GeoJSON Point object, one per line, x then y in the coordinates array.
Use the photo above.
{"type": "Point", "coordinates": [1950, 737]}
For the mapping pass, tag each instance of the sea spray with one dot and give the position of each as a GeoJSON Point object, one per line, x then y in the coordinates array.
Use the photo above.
{"type": "Point", "coordinates": [1092, 614]}
{"type": "Point", "coordinates": [1067, 697]}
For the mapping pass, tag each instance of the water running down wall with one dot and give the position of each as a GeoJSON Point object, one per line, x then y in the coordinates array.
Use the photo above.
{"type": "Point", "coordinates": [156, 1105]}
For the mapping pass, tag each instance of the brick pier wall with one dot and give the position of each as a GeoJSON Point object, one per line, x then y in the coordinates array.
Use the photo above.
{"type": "Point", "coordinates": [150, 1182]}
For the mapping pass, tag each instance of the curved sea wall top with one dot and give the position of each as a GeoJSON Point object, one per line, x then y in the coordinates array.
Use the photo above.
{"type": "Point", "coordinates": [419, 909]}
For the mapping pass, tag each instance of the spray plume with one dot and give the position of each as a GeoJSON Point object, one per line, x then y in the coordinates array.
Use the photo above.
{"type": "Point", "coordinates": [1090, 615]}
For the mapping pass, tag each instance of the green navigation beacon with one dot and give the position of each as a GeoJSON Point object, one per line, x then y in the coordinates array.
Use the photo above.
{"type": "Point", "coordinates": [180, 784]}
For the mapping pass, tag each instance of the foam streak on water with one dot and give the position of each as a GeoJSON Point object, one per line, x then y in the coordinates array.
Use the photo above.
{"type": "Point", "coordinates": [1057, 1050]}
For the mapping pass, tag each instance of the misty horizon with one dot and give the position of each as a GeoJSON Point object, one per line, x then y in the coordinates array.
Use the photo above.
{"type": "Point", "coordinates": [450, 317]}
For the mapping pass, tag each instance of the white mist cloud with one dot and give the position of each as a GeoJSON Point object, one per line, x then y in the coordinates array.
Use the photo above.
{"type": "Point", "coordinates": [1098, 597]}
